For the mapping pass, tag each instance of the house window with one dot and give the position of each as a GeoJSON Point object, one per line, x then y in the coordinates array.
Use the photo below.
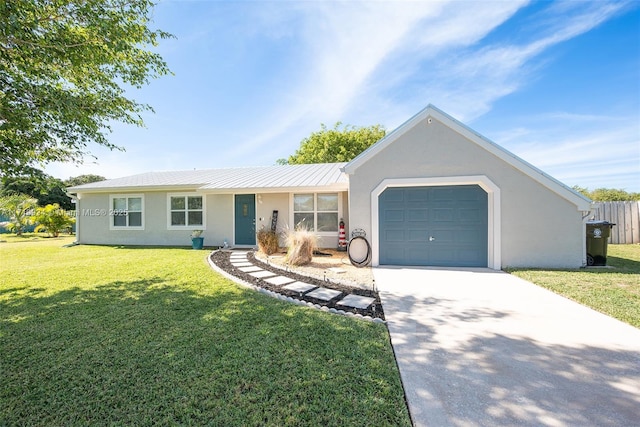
{"type": "Point", "coordinates": [186, 210]}
{"type": "Point", "coordinates": [316, 211]}
{"type": "Point", "coordinates": [126, 211]}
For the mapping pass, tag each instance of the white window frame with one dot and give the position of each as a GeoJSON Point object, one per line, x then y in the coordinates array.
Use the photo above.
{"type": "Point", "coordinates": [112, 211]}
{"type": "Point", "coordinates": [186, 210]}
{"type": "Point", "coordinates": [315, 211]}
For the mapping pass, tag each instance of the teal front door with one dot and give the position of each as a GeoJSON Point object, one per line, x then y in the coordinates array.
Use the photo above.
{"type": "Point", "coordinates": [245, 219]}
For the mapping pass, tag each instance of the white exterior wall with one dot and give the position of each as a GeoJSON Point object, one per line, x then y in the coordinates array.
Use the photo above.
{"type": "Point", "coordinates": [537, 227]}
{"type": "Point", "coordinates": [93, 219]}
{"type": "Point", "coordinates": [267, 203]}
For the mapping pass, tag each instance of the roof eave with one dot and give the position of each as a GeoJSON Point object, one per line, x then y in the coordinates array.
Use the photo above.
{"type": "Point", "coordinates": [137, 188]}
{"type": "Point", "coordinates": [251, 190]}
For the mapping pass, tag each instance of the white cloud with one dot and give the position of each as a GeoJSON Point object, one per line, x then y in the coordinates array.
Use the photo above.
{"type": "Point", "coordinates": [380, 62]}
{"type": "Point", "coordinates": [354, 49]}
{"type": "Point", "coordinates": [586, 150]}
{"type": "Point", "coordinates": [470, 80]}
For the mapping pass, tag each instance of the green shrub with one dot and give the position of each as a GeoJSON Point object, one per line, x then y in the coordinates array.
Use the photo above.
{"type": "Point", "coordinates": [53, 220]}
{"type": "Point", "coordinates": [267, 241]}
{"type": "Point", "coordinates": [301, 243]}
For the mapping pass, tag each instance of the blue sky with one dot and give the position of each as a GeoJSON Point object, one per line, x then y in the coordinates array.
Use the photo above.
{"type": "Point", "coordinates": [556, 83]}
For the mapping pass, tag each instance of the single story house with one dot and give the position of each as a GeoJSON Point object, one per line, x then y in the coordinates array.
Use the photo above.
{"type": "Point", "coordinates": [433, 192]}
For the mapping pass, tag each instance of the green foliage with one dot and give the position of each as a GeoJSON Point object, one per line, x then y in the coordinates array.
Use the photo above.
{"type": "Point", "coordinates": [335, 145]}
{"type": "Point", "coordinates": [19, 208]}
{"type": "Point", "coordinates": [608, 194]}
{"type": "Point", "coordinates": [37, 184]}
{"type": "Point", "coordinates": [64, 67]}
{"type": "Point", "coordinates": [74, 181]}
{"type": "Point", "coordinates": [119, 336]}
{"type": "Point", "coordinates": [53, 220]}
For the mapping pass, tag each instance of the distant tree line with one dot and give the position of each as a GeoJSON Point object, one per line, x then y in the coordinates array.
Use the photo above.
{"type": "Point", "coordinates": [45, 189]}
{"type": "Point", "coordinates": [608, 194]}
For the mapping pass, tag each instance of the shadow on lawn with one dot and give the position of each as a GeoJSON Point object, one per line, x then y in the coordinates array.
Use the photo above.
{"type": "Point", "coordinates": [143, 352]}
{"type": "Point", "coordinates": [624, 265]}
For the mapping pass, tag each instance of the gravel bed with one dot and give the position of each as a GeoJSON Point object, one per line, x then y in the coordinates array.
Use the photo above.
{"type": "Point", "coordinates": [221, 259]}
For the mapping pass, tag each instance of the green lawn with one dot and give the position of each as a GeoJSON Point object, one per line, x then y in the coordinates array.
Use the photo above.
{"type": "Point", "coordinates": [613, 291]}
{"type": "Point", "coordinates": [96, 335]}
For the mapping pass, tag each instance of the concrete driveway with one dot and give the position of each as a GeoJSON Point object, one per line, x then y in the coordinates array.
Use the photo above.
{"type": "Point", "coordinates": [479, 347]}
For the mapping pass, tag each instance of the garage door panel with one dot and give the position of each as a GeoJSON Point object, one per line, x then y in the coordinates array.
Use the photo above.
{"type": "Point", "coordinates": [470, 256]}
{"type": "Point", "coordinates": [391, 215]}
{"type": "Point", "coordinates": [392, 196]}
{"type": "Point", "coordinates": [441, 193]}
{"type": "Point", "coordinates": [439, 226]}
{"type": "Point", "coordinates": [418, 194]}
{"type": "Point", "coordinates": [443, 257]}
{"type": "Point", "coordinates": [444, 215]}
{"type": "Point", "coordinates": [391, 235]}
{"type": "Point", "coordinates": [470, 215]}
{"type": "Point", "coordinates": [469, 236]}
{"type": "Point", "coordinates": [397, 254]}
{"type": "Point", "coordinates": [417, 215]}
{"type": "Point", "coordinates": [418, 235]}
{"type": "Point", "coordinates": [442, 236]}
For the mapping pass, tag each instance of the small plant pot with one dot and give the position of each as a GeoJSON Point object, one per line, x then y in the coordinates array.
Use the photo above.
{"type": "Point", "coordinates": [197, 242]}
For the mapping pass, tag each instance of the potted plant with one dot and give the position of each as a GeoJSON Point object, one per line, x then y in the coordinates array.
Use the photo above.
{"type": "Point", "coordinates": [197, 242]}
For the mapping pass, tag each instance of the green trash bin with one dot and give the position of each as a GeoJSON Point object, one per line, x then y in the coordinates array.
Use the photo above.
{"type": "Point", "coordinates": [598, 233]}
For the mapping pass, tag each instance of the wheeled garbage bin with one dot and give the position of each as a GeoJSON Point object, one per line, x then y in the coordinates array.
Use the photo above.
{"type": "Point", "coordinates": [598, 233]}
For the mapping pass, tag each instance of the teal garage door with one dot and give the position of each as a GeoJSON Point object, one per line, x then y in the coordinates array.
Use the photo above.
{"type": "Point", "coordinates": [433, 226]}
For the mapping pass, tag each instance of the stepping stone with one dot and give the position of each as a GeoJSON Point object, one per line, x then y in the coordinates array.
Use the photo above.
{"type": "Point", "coordinates": [262, 274]}
{"type": "Point", "coordinates": [279, 280]}
{"type": "Point", "coordinates": [241, 263]}
{"type": "Point", "coordinates": [251, 269]}
{"type": "Point", "coordinates": [337, 270]}
{"type": "Point", "coordinates": [299, 287]}
{"type": "Point", "coordinates": [356, 301]}
{"type": "Point", "coordinates": [324, 294]}
{"type": "Point", "coordinates": [238, 256]}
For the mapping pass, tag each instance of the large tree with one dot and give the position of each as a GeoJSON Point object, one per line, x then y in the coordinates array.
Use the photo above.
{"type": "Point", "coordinates": [335, 145]}
{"type": "Point", "coordinates": [64, 69]}
{"type": "Point", "coordinates": [38, 185]}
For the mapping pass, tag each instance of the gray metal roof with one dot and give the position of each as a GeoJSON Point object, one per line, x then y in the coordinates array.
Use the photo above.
{"type": "Point", "coordinates": [236, 179]}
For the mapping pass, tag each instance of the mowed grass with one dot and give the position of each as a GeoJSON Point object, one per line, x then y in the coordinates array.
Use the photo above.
{"type": "Point", "coordinates": [95, 335]}
{"type": "Point", "coordinates": [613, 291]}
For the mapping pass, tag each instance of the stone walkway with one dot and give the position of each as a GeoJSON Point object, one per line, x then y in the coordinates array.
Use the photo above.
{"type": "Point", "coordinates": [323, 296]}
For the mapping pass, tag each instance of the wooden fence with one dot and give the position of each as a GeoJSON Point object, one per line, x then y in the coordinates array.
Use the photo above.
{"type": "Point", "coordinates": [625, 216]}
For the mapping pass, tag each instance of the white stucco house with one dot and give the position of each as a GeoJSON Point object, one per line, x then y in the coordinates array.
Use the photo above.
{"type": "Point", "coordinates": [433, 192]}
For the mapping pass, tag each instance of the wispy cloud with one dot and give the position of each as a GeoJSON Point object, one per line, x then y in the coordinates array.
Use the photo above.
{"type": "Point", "coordinates": [585, 150]}
{"type": "Point", "coordinates": [470, 80]}
{"type": "Point", "coordinates": [355, 49]}
{"type": "Point", "coordinates": [268, 73]}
